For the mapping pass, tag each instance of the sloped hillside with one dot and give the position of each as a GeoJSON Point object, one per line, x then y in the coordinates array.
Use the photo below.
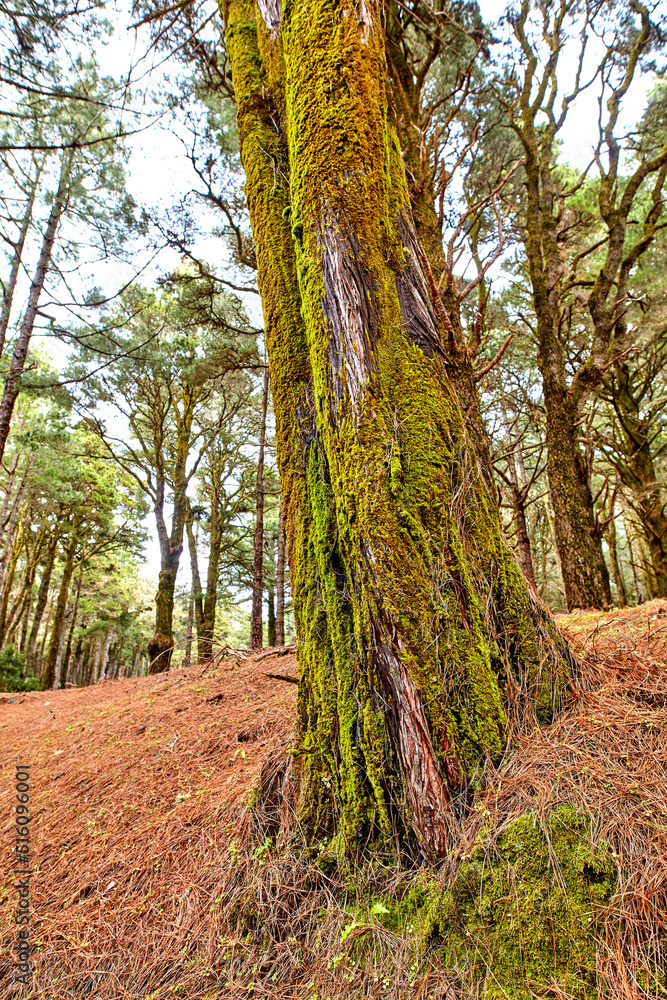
{"type": "Point", "coordinates": [151, 881]}
{"type": "Point", "coordinates": [135, 789]}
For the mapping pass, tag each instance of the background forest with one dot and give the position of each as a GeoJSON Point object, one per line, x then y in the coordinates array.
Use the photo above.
{"type": "Point", "coordinates": [140, 516]}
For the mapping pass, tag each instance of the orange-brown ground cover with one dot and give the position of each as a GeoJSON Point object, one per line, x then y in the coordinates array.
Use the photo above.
{"type": "Point", "coordinates": [148, 885]}
{"type": "Point", "coordinates": [135, 786]}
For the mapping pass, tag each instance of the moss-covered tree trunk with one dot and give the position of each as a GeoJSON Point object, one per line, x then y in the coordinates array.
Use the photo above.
{"type": "Point", "coordinates": [584, 571]}
{"type": "Point", "coordinates": [417, 637]}
{"type": "Point", "coordinates": [636, 433]}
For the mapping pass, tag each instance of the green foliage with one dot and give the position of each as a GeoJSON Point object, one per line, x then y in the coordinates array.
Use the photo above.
{"type": "Point", "coordinates": [12, 664]}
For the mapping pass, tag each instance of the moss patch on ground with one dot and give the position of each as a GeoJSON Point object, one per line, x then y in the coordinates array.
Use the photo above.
{"type": "Point", "coordinates": [521, 912]}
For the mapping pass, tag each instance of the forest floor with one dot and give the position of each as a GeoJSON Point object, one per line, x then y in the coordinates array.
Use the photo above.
{"type": "Point", "coordinates": [147, 871]}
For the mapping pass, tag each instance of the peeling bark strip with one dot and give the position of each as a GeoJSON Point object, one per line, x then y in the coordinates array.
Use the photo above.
{"type": "Point", "coordinates": [426, 789]}
{"type": "Point", "coordinates": [270, 11]}
{"type": "Point", "coordinates": [350, 305]}
{"type": "Point", "coordinates": [414, 297]}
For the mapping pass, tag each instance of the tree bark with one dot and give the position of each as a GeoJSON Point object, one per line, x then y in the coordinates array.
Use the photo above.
{"type": "Point", "coordinates": [212, 574]}
{"type": "Point", "coordinates": [637, 471]}
{"type": "Point", "coordinates": [70, 635]}
{"type": "Point", "coordinates": [188, 633]}
{"type": "Point", "coordinates": [161, 645]}
{"type": "Point", "coordinates": [416, 632]}
{"type": "Point", "coordinates": [271, 617]}
{"type": "Point", "coordinates": [17, 256]}
{"type": "Point", "coordinates": [9, 565]}
{"type": "Point", "coordinates": [256, 629]}
{"type": "Point", "coordinates": [40, 606]}
{"type": "Point", "coordinates": [58, 623]}
{"type": "Point", "coordinates": [280, 581]}
{"type": "Point", "coordinates": [11, 389]}
{"type": "Point", "coordinates": [19, 615]}
{"type": "Point", "coordinates": [619, 582]}
{"type": "Point", "coordinates": [197, 596]}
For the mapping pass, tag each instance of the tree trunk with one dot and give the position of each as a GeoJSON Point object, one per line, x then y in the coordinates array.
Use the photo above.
{"type": "Point", "coordinates": [637, 472]}
{"type": "Point", "coordinates": [585, 574]}
{"type": "Point", "coordinates": [280, 581]}
{"type": "Point", "coordinates": [161, 645]}
{"type": "Point", "coordinates": [416, 632]}
{"type": "Point", "coordinates": [11, 389]}
{"type": "Point", "coordinates": [68, 648]}
{"type": "Point", "coordinates": [188, 633]}
{"type": "Point", "coordinates": [20, 614]}
{"type": "Point", "coordinates": [110, 636]}
{"type": "Point", "coordinates": [45, 635]}
{"type": "Point", "coordinates": [256, 630]}
{"type": "Point", "coordinates": [17, 256]}
{"type": "Point", "coordinates": [58, 624]}
{"type": "Point", "coordinates": [633, 565]}
{"type": "Point", "coordinates": [40, 606]}
{"type": "Point", "coordinates": [518, 490]}
{"type": "Point", "coordinates": [75, 672]}
{"type": "Point", "coordinates": [212, 574]}
{"type": "Point", "coordinates": [197, 596]}
{"type": "Point", "coordinates": [271, 617]}
{"type": "Point", "coordinates": [9, 565]}
{"type": "Point", "coordinates": [619, 582]}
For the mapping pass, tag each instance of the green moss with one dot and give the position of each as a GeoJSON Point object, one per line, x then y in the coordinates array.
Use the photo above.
{"type": "Point", "coordinates": [520, 915]}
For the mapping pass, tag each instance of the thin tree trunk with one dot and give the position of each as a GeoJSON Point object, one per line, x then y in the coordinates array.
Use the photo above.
{"type": "Point", "coordinates": [58, 623]}
{"type": "Point", "coordinates": [19, 616]}
{"type": "Point", "coordinates": [61, 646]}
{"type": "Point", "coordinates": [111, 635]}
{"type": "Point", "coordinates": [633, 565]}
{"type": "Point", "coordinates": [11, 389]}
{"type": "Point", "coordinates": [256, 630]}
{"type": "Point", "coordinates": [68, 648]}
{"type": "Point", "coordinates": [188, 633]}
{"type": "Point", "coordinates": [4, 514]}
{"type": "Point", "coordinates": [280, 581]}
{"type": "Point", "coordinates": [161, 645]}
{"type": "Point", "coordinates": [619, 583]}
{"type": "Point", "coordinates": [197, 596]}
{"type": "Point", "coordinates": [518, 494]}
{"type": "Point", "coordinates": [75, 671]}
{"type": "Point", "coordinates": [271, 617]}
{"type": "Point", "coordinates": [40, 606]}
{"type": "Point", "coordinates": [8, 530]}
{"type": "Point", "coordinates": [45, 635]}
{"type": "Point", "coordinates": [17, 256]}
{"type": "Point", "coordinates": [9, 571]}
{"type": "Point", "coordinates": [212, 574]}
